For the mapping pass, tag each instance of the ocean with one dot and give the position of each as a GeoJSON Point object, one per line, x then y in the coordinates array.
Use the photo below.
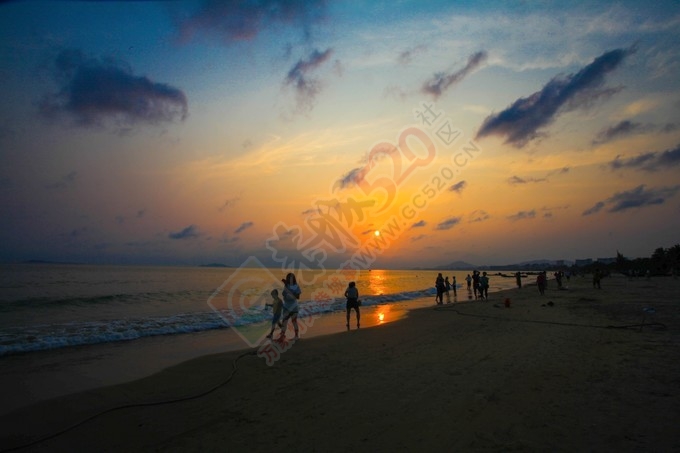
{"type": "Point", "coordinates": [51, 306]}
{"type": "Point", "coordinates": [70, 328]}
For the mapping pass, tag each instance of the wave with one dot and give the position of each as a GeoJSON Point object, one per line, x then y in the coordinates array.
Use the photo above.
{"type": "Point", "coordinates": [18, 340]}
{"type": "Point", "coordinates": [32, 303]}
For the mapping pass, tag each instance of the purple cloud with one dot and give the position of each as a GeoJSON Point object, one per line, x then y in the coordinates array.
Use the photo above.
{"type": "Point", "coordinates": [307, 87]}
{"type": "Point", "coordinates": [94, 91]}
{"type": "Point", "coordinates": [448, 223]}
{"type": "Point", "coordinates": [441, 81]}
{"type": "Point", "coordinates": [523, 215]}
{"type": "Point", "coordinates": [65, 182]}
{"type": "Point", "coordinates": [244, 226]}
{"type": "Point", "coordinates": [520, 122]}
{"type": "Point", "coordinates": [241, 20]}
{"type": "Point", "coordinates": [621, 129]}
{"type": "Point", "coordinates": [514, 180]}
{"type": "Point", "coordinates": [637, 197]}
{"type": "Point", "coordinates": [597, 207]}
{"type": "Point", "coordinates": [458, 187]}
{"type": "Point", "coordinates": [478, 215]}
{"type": "Point", "coordinates": [189, 232]}
{"type": "Point", "coordinates": [652, 161]}
{"type": "Point", "coordinates": [406, 57]}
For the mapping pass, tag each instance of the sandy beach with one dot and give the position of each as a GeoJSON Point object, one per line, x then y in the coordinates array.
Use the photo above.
{"type": "Point", "coordinates": [578, 369]}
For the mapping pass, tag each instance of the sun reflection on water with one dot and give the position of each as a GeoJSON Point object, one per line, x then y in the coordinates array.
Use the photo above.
{"type": "Point", "coordinates": [376, 282]}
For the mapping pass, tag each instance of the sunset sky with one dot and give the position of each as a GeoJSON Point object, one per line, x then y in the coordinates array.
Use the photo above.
{"type": "Point", "coordinates": [199, 132]}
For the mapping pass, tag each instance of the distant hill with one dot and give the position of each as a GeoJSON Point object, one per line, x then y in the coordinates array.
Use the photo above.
{"type": "Point", "coordinates": [457, 265]}
{"type": "Point", "coordinates": [214, 265]}
{"type": "Point", "coordinates": [47, 262]}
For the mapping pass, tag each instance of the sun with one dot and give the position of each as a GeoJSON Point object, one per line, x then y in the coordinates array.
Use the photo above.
{"type": "Point", "coordinates": [376, 232]}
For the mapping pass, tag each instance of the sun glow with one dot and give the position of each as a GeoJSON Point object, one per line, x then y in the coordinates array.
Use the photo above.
{"type": "Point", "coordinates": [377, 233]}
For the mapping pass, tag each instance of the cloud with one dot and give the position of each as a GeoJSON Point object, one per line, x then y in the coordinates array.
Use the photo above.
{"type": "Point", "coordinates": [441, 81]}
{"type": "Point", "coordinates": [94, 91]}
{"type": "Point", "coordinates": [406, 57]}
{"type": "Point", "coordinates": [595, 208]}
{"type": "Point", "coordinates": [242, 20]}
{"type": "Point", "coordinates": [669, 127]}
{"type": "Point", "coordinates": [244, 226]}
{"type": "Point", "coordinates": [448, 223]}
{"type": "Point", "coordinates": [622, 129]}
{"type": "Point", "coordinates": [228, 204]}
{"type": "Point", "coordinates": [652, 161]}
{"type": "Point", "coordinates": [514, 180]}
{"type": "Point", "coordinates": [189, 232]}
{"type": "Point", "coordinates": [627, 128]}
{"type": "Point", "coordinates": [637, 197]}
{"type": "Point", "coordinates": [420, 224]}
{"type": "Point", "coordinates": [312, 211]}
{"type": "Point", "coordinates": [520, 122]}
{"type": "Point", "coordinates": [65, 182]}
{"type": "Point", "coordinates": [418, 238]}
{"type": "Point", "coordinates": [523, 215]}
{"type": "Point", "coordinates": [478, 215]}
{"type": "Point", "coordinates": [350, 179]}
{"type": "Point", "coordinates": [306, 87]}
{"type": "Point", "coordinates": [559, 171]}
{"type": "Point", "coordinates": [395, 92]}
{"type": "Point", "coordinates": [458, 187]}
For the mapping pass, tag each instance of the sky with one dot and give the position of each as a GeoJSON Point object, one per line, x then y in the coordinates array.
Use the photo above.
{"type": "Point", "coordinates": [315, 133]}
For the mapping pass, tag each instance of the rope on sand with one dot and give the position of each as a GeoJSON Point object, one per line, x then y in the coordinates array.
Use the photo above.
{"type": "Point", "coordinates": [132, 405]}
{"type": "Point", "coordinates": [568, 324]}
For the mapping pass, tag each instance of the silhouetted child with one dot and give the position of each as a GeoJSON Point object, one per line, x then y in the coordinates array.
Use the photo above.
{"type": "Point", "coordinates": [277, 306]}
{"type": "Point", "coordinates": [352, 295]}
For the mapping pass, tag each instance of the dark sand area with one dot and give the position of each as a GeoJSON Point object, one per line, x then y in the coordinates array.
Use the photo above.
{"type": "Point", "coordinates": [598, 370]}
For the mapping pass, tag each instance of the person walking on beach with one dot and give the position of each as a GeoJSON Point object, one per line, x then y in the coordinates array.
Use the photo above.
{"type": "Point", "coordinates": [441, 288]}
{"type": "Point", "coordinates": [352, 295]}
{"type": "Point", "coordinates": [453, 285]}
{"type": "Point", "coordinates": [447, 288]}
{"type": "Point", "coordinates": [468, 279]}
{"type": "Point", "coordinates": [597, 276]}
{"type": "Point", "coordinates": [291, 294]}
{"type": "Point", "coordinates": [277, 308]}
{"type": "Point", "coordinates": [541, 283]}
{"type": "Point", "coordinates": [484, 286]}
{"type": "Point", "coordinates": [518, 277]}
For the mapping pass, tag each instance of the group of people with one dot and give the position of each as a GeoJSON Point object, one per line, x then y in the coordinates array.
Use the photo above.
{"type": "Point", "coordinates": [444, 286]}
{"type": "Point", "coordinates": [477, 284]}
{"type": "Point", "coordinates": [288, 309]}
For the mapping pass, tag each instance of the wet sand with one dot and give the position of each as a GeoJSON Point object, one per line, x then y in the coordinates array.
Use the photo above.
{"type": "Point", "coordinates": [596, 370]}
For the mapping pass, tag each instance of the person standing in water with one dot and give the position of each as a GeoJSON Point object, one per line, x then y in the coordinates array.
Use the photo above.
{"type": "Point", "coordinates": [484, 286]}
{"type": "Point", "coordinates": [440, 286]}
{"type": "Point", "coordinates": [352, 295]}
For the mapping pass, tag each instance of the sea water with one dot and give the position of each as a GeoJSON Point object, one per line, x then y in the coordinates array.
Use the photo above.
{"type": "Point", "coordinates": [52, 306]}
{"type": "Point", "coordinates": [70, 328]}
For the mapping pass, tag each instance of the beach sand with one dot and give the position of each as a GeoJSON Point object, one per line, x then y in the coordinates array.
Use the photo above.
{"type": "Point", "coordinates": [581, 374]}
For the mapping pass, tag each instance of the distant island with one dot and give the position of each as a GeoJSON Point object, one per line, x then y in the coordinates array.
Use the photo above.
{"type": "Point", "coordinates": [214, 265]}
{"type": "Point", "coordinates": [47, 262]}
